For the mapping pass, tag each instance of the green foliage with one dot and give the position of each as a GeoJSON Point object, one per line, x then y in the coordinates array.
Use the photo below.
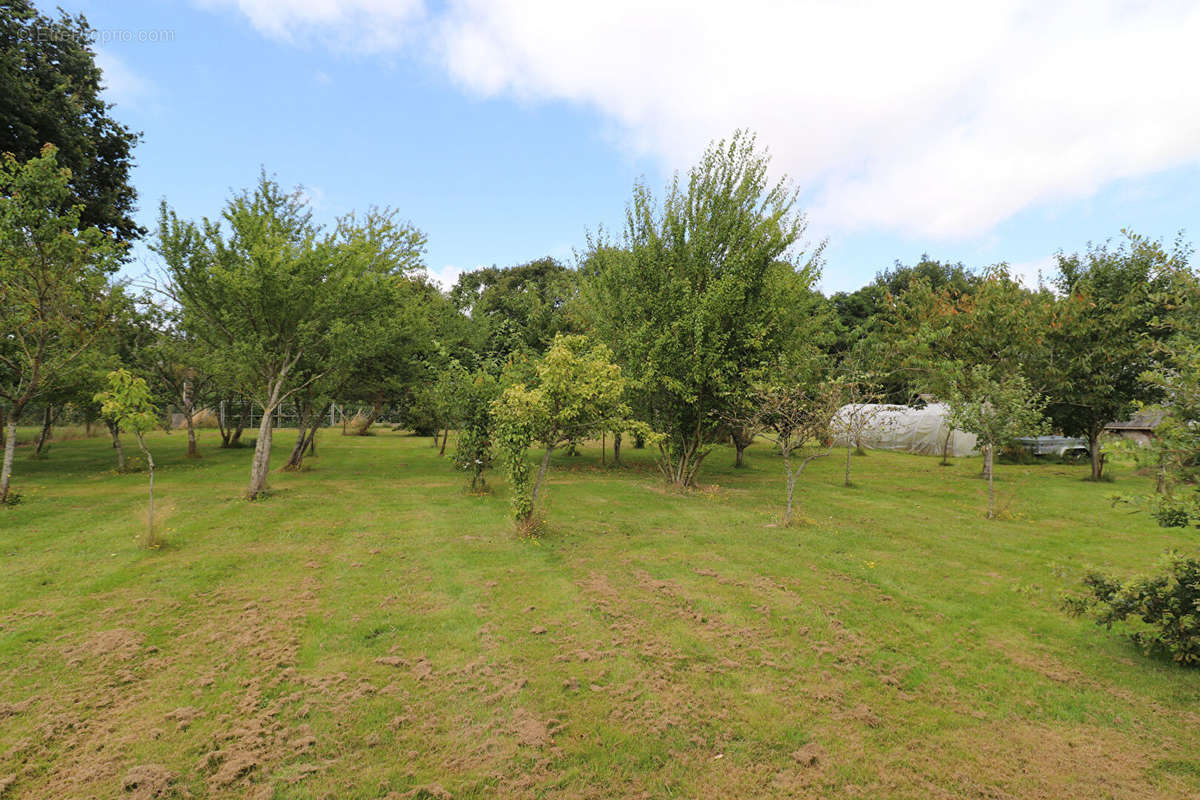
{"type": "Point", "coordinates": [54, 290]}
{"type": "Point", "coordinates": [54, 299]}
{"type": "Point", "coordinates": [996, 410]}
{"type": "Point", "coordinates": [1167, 603]}
{"type": "Point", "coordinates": [289, 307]}
{"type": "Point", "coordinates": [127, 402]}
{"type": "Point", "coordinates": [515, 411]}
{"type": "Point", "coordinates": [703, 290]}
{"type": "Point", "coordinates": [52, 93]}
{"type": "Point", "coordinates": [931, 338]}
{"type": "Point", "coordinates": [1104, 333]}
{"type": "Point", "coordinates": [575, 392]}
{"type": "Point", "coordinates": [473, 453]}
{"type": "Point", "coordinates": [519, 308]}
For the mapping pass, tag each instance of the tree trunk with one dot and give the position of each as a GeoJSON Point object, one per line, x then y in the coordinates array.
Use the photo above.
{"type": "Point", "coordinates": [151, 540]}
{"type": "Point", "coordinates": [115, 430]}
{"type": "Point", "coordinates": [639, 441]}
{"type": "Point", "coordinates": [603, 448]}
{"type": "Point", "coordinates": [740, 442]}
{"type": "Point", "coordinates": [791, 486]}
{"type": "Point", "coordinates": [987, 458]}
{"type": "Point", "coordinates": [445, 436]}
{"type": "Point", "coordinates": [849, 452]}
{"type": "Point", "coordinates": [44, 435]}
{"type": "Point", "coordinates": [537, 485]}
{"type": "Point", "coordinates": [1096, 457]}
{"type": "Point", "coordinates": [236, 439]}
{"type": "Point", "coordinates": [10, 445]}
{"type": "Point", "coordinates": [616, 448]}
{"type": "Point", "coordinates": [946, 448]}
{"type": "Point", "coordinates": [297, 456]}
{"type": "Point", "coordinates": [192, 452]}
{"type": "Point", "coordinates": [262, 456]}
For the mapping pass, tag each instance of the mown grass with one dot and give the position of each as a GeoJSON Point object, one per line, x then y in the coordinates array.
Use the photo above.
{"type": "Point", "coordinates": [370, 630]}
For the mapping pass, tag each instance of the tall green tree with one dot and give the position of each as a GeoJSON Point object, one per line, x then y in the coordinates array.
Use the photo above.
{"type": "Point", "coordinates": [685, 298]}
{"type": "Point", "coordinates": [52, 95]}
{"type": "Point", "coordinates": [861, 312]}
{"type": "Point", "coordinates": [1104, 333]}
{"type": "Point", "coordinates": [286, 304]}
{"type": "Point", "coordinates": [530, 301]}
{"type": "Point", "coordinates": [55, 297]}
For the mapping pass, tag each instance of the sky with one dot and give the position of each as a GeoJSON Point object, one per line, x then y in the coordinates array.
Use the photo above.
{"type": "Point", "coordinates": [507, 130]}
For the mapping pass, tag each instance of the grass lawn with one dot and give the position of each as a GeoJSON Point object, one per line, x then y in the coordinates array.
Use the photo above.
{"type": "Point", "coordinates": [371, 631]}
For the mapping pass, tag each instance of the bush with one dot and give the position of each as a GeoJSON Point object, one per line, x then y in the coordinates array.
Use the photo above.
{"type": "Point", "coordinates": [1171, 515]}
{"type": "Point", "coordinates": [1167, 603]}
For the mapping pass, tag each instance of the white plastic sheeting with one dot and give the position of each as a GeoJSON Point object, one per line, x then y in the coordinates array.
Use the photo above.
{"type": "Point", "coordinates": [911, 430]}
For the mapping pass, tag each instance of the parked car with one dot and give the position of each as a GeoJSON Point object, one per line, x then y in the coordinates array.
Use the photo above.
{"type": "Point", "coordinates": [1065, 447]}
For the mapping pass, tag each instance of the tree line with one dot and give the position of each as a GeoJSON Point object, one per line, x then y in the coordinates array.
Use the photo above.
{"type": "Point", "coordinates": [698, 322]}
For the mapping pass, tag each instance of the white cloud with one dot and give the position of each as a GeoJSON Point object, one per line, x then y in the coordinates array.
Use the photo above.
{"type": "Point", "coordinates": [937, 119]}
{"type": "Point", "coordinates": [359, 26]}
{"type": "Point", "coordinates": [122, 85]}
{"type": "Point", "coordinates": [445, 277]}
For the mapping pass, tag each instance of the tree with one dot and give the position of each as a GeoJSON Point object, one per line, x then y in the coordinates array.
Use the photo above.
{"type": "Point", "coordinates": [1175, 449]}
{"type": "Point", "coordinates": [685, 299]}
{"type": "Point", "coordinates": [286, 305]}
{"type": "Point", "coordinates": [52, 94]}
{"type": "Point", "coordinates": [860, 412]}
{"type": "Point", "coordinates": [54, 291]}
{"type": "Point", "coordinates": [473, 453]}
{"type": "Point", "coordinates": [179, 364]}
{"type": "Point", "coordinates": [575, 391]}
{"type": "Point", "coordinates": [861, 312]}
{"type": "Point", "coordinates": [127, 403]}
{"type": "Point", "coordinates": [531, 301]}
{"type": "Point", "coordinates": [1103, 334]}
{"type": "Point", "coordinates": [996, 410]}
{"type": "Point", "coordinates": [1174, 452]}
{"type": "Point", "coordinates": [795, 410]}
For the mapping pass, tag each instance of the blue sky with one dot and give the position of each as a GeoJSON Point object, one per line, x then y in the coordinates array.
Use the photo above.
{"type": "Point", "coordinates": [506, 131]}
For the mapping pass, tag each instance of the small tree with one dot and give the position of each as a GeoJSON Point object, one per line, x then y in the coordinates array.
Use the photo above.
{"type": "Point", "coordinates": [860, 411]}
{"type": "Point", "coordinates": [127, 403]}
{"type": "Point", "coordinates": [996, 411]}
{"type": "Point", "coordinates": [473, 453]}
{"type": "Point", "coordinates": [794, 413]}
{"type": "Point", "coordinates": [576, 391]}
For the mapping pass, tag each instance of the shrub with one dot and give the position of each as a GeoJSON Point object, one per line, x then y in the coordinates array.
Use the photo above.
{"type": "Point", "coordinates": [1167, 603]}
